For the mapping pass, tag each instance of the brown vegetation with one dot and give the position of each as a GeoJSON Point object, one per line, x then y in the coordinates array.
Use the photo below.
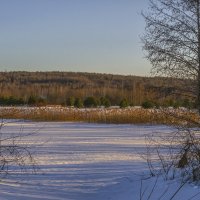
{"type": "Point", "coordinates": [56, 87]}
{"type": "Point", "coordinates": [102, 115]}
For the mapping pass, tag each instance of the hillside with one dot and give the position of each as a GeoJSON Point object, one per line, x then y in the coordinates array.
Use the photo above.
{"type": "Point", "coordinates": [56, 87]}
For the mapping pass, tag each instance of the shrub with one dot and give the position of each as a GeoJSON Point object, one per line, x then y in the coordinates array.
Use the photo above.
{"type": "Point", "coordinates": [124, 103]}
{"type": "Point", "coordinates": [177, 104]}
{"type": "Point", "coordinates": [187, 103]}
{"type": "Point", "coordinates": [32, 100]}
{"type": "Point", "coordinates": [78, 103]}
{"type": "Point", "coordinates": [71, 101]}
{"type": "Point", "coordinates": [11, 101]}
{"type": "Point", "coordinates": [147, 104]}
{"type": "Point", "coordinates": [41, 101]}
{"type": "Point", "coordinates": [91, 102]}
{"type": "Point", "coordinates": [105, 102]}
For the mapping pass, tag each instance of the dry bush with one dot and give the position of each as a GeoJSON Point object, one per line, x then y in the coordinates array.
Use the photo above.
{"type": "Point", "coordinates": [174, 154]}
{"type": "Point", "coordinates": [15, 152]}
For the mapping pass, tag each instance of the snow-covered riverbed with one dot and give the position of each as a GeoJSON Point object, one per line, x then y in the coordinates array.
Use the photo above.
{"type": "Point", "coordinates": [80, 161]}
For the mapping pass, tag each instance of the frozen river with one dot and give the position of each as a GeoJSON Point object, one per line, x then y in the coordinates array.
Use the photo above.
{"type": "Point", "coordinates": [80, 161]}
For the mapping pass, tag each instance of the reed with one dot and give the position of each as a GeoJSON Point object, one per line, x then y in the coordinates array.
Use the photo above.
{"type": "Point", "coordinates": [101, 115]}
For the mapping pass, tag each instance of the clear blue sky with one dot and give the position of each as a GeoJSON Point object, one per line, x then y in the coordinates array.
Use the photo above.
{"type": "Point", "coordinates": [73, 35]}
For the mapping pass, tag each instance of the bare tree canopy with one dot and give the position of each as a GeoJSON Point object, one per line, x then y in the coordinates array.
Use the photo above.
{"type": "Point", "coordinates": [172, 39]}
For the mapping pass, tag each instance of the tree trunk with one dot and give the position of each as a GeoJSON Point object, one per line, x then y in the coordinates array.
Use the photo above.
{"type": "Point", "coordinates": [198, 78]}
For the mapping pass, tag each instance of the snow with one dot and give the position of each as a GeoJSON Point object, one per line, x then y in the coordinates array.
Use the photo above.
{"type": "Point", "coordinates": [80, 161]}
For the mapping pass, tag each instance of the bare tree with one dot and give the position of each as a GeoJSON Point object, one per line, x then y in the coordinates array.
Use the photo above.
{"type": "Point", "coordinates": [172, 40]}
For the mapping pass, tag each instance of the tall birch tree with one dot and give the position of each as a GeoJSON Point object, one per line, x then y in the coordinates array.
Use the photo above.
{"type": "Point", "coordinates": [172, 40]}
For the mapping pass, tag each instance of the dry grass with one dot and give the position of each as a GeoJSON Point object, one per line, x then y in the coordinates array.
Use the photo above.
{"type": "Point", "coordinates": [99, 115]}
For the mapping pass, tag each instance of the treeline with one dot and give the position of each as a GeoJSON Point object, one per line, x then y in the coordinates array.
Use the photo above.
{"type": "Point", "coordinates": [89, 102]}
{"type": "Point", "coordinates": [74, 89]}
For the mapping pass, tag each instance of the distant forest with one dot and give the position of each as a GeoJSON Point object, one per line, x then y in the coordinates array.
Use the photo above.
{"type": "Point", "coordinates": [65, 88]}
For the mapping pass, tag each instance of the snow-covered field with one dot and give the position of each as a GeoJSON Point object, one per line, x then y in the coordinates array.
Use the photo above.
{"type": "Point", "coordinates": [80, 161]}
